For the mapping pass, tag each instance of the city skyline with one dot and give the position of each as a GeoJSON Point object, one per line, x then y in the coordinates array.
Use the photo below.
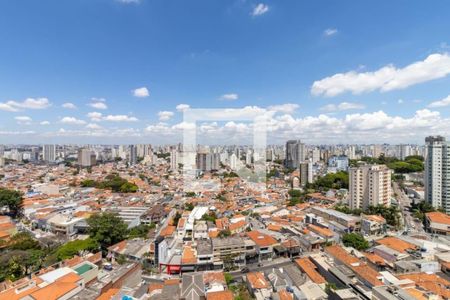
{"type": "Point", "coordinates": [325, 73]}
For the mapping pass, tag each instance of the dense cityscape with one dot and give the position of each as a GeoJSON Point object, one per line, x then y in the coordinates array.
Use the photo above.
{"type": "Point", "coordinates": [338, 222]}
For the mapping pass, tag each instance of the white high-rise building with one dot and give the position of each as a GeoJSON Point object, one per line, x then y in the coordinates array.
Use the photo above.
{"type": "Point", "coordinates": [295, 153]}
{"type": "Point", "coordinates": [369, 185]}
{"type": "Point", "coordinates": [86, 158]}
{"type": "Point", "coordinates": [233, 162]}
{"type": "Point", "coordinates": [133, 155]}
{"type": "Point", "coordinates": [315, 155]}
{"type": "Point", "coordinates": [306, 172]}
{"type": "Point", "coordinates": [174, 159]}
{"type": "Point", "coordinates": [49, 153]}
{"type": "Point", "coordinates": [2, 150]}
{"type": "Point", "coordinates": [404, 151]}
{"type": "Point", "coordinates": [437, 172]}
{"type": "Point", "coordinates": [351, 152]}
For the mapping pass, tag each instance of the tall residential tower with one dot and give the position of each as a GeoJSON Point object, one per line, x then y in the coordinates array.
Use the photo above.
{"type": "Point", "coordinates": [437, 172]}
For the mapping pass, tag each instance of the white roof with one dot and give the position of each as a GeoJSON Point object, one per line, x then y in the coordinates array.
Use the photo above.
{"type": "Point", "coordinates": [54, 275]}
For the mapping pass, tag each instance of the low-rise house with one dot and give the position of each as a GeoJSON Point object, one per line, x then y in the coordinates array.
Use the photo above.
{"type": "Point", "coordinates": [437, 223]}
{"type": "Point", "coordinates": [258, 286]}
{"type": "Point", "coordinates": [264, 244]}
{"type": "Point", "coordinates": [373, 225]}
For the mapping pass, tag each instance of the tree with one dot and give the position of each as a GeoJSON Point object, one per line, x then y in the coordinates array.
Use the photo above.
{"type": "Point", "coordinates": [73, 248]}
{"type": "Point", "coordinates": [107, 229]}
{"type": "Point", "coordinates": [140, 231]}
{"type": "Point", "coordinates": [228, 278]}
{"type": "Point", "coordinates": [355, 240]}
{"type": "Point", "coordinates": [12, 199]}
{"type": "Point", "coordinates": [391, 214]}
{"type": "Point", "coordinates": [23, 241]}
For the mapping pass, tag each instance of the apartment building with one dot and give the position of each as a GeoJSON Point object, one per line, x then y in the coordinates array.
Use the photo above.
{"type": "Point", "coordinates": [370, 185]}
{"type": "Point", "coordinates": [437, 172]}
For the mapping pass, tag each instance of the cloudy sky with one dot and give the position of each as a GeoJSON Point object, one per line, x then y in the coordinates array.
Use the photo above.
{"type": "Point", "coordinates": [124, 71]}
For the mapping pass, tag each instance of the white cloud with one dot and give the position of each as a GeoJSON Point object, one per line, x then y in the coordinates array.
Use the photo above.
{"type": "Point", "coordinates": [141, 92]}
{"type": "Point", "coordinates": [182, 107]}
{"type": "Point", "coordinates": [23, 120]}
{"type": "Point", "coordinates": [330, 31]}
{"type": "Point", "coordinates": [342, 106]}
{"type": "Point", "coordinates": [284, 108]}
{"type": "Point", "coordinates": [98, 103]}
{"type": "Point", "coordinates": [441, 103]}
{"type": "Point", "coordinates": [72, 121]}
{"type": "Point", "coordinates": [95, 116]}
{"type": "Point", "coordinates": [165, 115]}
{"type": "Point", "coordinates": [69, 105]}
{"type": "Point", "coordinates": [29, 103]}
{"type": "Point", "coordinates": [260, 9]}
{"type": "Point", "coordinates": [229, 97]}
{"type": "Point", "coordinates": [98, 117]}
{"type": "Point", "coordinates": [400, 101]}
{"type": "Point", "coordinates": [387, 78]}
{"type": "Point", "coordinates": [119, 118]}
{"type": "Point", "coordinates": [44, 123]}
{"type": "Point", "coordinates": [94, 126]}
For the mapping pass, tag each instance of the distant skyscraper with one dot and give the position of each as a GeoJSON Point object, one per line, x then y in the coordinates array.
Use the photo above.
{"type": "Point", "coordinates": [306, 172]}
{"type": "Point", "coordinates": [295, 153]}
{"type": "Point", "coordinates": [133, 155]}
{"type": "Point", "coordinates": [86, 158]}
{"type": "Point", "coordinates": [174, 157]}
{"type": "Point", "coordinates": [405, 151]}
{"type": "Point", "coordinates": [49, 153]}
{"type": "Point", "coordinates": [370, 185]}
{"type": "Point", "coordinates": [437, 172]}
{"type": "Point", "coordinates": [233, 162]}
{"type": "Point", "coordinates": [315, 155]}
{"type": "Point", "coordinates": [2, 150]}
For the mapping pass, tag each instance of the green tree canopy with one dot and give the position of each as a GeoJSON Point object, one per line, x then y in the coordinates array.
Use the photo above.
{"type": "Point", "coordinates": [12, 199]}
{"type": "Point", "coordinates": [355, 240]}
{"type": "Point", "coordinates": [107, 229]}
{"type": "Point", "coordinates": [73, 248]}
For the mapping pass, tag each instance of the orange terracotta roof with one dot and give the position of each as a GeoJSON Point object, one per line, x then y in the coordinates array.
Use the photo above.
{"type": "Point", "coordinates": [438, 217]}
{"type": "Point", "coordinates": [375, 259]}
{"type": "Point", "coordinates": [155, 286]}
{"type": "Point", "coordinates": [237, 225]}
{"type": "Point", "coordinates": [396, 244]}
{"type": "Point", "coordinates": [360, 268]}
{"type": "Point", "coordinates": [189, 256]}
{"type": "Point", "coordinates": [58, 288]}
{"type": "Point", "coordinates": [307, 266]}
{"type": "Point", "coordinates": [214, 276]}
{"type": "Point", "coordinates": [285, 295]}
{"type": "Point", "coordinates": [257, 280]}
{"type": "Point", "coordinates": [167, 231]}
{"type": "Point", "coordinates": [119, 247]}
{"type": "Point", "coordinates": [73, 261]}
{"type": "Point", "coordinates": [221, 295]}
{"type": "Point", "coordinates": [337, 252]}
{"type": "Point", "coordinates": [171, 281]}
{"type": "Point", "coordinates": [274, 227]}
{"type": "Point", "coordinates": [430, 282]}
{"type": "Point", "coordinates": [261, 239]}
{"type": "Point", "coordinates": [213, 233]}
{"type": "Point", "coordinates": [95, 258]}
{"type": "Point", "coordinates": [324, 232]}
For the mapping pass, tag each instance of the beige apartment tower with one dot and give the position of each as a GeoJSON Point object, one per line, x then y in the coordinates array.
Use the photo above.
{"type": "Point", "coordinates": [369, 185]}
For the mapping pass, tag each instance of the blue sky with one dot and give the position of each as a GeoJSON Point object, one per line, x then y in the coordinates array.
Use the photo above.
{"type": "Point", "coordinates": [351, 71]}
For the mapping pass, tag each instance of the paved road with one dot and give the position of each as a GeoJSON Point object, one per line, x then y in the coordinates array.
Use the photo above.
{"type": "Point", "coordinates": [404, 203]}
